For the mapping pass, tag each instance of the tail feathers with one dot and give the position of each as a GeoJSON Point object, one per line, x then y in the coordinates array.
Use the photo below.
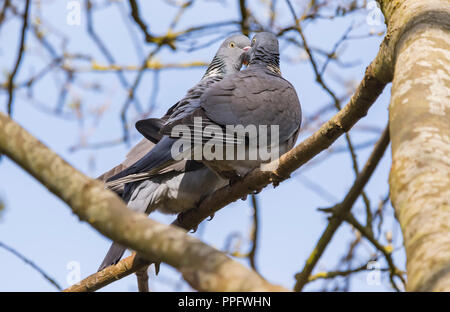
{"type": "Point", "coordinates": [113, 256]}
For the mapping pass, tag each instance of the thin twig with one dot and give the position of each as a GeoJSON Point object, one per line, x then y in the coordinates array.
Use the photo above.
{"type": "Point", "coordinates": [255, 233]}
{"type": "Point", "coordinates": [32, 264]}
{"type": "Point", "coordinates": [19, 58]}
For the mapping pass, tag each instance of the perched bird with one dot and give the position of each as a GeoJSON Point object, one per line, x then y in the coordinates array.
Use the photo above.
{"type": "Point", "coordinates": [256, 96]}
{"type": "Point", "coordinates": [150, 179]}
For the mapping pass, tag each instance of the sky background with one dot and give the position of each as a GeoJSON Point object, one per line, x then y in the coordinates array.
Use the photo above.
{"type": "Point", "coordinates": [43, 228]}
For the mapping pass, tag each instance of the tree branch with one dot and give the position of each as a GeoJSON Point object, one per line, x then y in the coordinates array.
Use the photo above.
{"type": "Point", "coordinates": [420, 130]}
{"type": "Point", "coordinates": [32, 264]}
{"type": "Point", "coordinates": [255, 233]}
{"type": "Point", "coordinates": [19, 58]}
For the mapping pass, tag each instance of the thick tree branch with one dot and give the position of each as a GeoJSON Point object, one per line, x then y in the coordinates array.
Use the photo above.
{"type": "Point", "coordinates": [420, 129]}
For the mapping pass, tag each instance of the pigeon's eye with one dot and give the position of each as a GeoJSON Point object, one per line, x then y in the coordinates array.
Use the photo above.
{"type": "Point", "coordinates": [254, 40]}
{"type": "Point", "coordinates": [232, 44]}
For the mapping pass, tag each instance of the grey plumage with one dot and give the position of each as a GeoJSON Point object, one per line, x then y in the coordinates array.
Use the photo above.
{"type": "Point", "coordinates": [136, 153]}
{"type": "Point", "coordinates": [257, 96]}
{"type": "Point", "coordinates": [154, 180]}
{"type": "Point", "coordinates": [228, 60]}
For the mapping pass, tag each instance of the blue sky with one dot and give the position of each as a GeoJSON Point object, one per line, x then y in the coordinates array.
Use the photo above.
{"type": "Point", "coordinates": [43, 228]}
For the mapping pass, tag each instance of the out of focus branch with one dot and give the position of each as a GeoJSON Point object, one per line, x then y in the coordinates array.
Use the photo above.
{"type": "Point", "coordinates": [244, 17]}
{"type": "Point", "coordinates": [255, 232]}
{"type": "Point", "coordinates": [32, 264]}
{"type": "Point", "coordinates": [5, 6]}
{"type": "Point", "coordinates": [333, 274]}
{"type": "Point", "coordinates": [19, 58]}
{"type": "Point", "coordinates": [137, 18]}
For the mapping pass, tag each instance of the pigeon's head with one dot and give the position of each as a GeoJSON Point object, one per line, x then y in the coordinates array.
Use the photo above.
{"type": "Point", "coordinates": [264, 50]}
{"type": "Point", "coordinates": [230, 56]}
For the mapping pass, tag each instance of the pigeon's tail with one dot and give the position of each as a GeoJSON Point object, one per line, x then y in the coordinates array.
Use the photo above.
{"type": "Point", "coordinates": [113, 256]}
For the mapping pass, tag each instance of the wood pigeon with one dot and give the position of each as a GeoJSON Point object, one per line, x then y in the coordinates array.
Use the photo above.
{"type": "Point", "coordinates": [150, 179]}
{"type": "Point", "coordinates": [257, 96]}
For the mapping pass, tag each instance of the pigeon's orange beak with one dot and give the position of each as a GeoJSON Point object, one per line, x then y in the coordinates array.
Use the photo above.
{"type": "Point", "coordinates": [246, 58]}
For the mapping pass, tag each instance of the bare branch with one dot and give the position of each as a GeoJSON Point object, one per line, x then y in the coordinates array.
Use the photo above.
{"type": "Point", "coordinates": [19, 58]}
{"type": "Point", "coordinates": [32, 264]}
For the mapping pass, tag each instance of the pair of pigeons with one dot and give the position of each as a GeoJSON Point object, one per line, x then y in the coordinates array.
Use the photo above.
{"type": "Point", "coordinates": [152, 178]}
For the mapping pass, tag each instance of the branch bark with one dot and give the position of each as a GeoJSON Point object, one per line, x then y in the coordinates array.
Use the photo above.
{"type": "Point", "coordinates": [419, 116]}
